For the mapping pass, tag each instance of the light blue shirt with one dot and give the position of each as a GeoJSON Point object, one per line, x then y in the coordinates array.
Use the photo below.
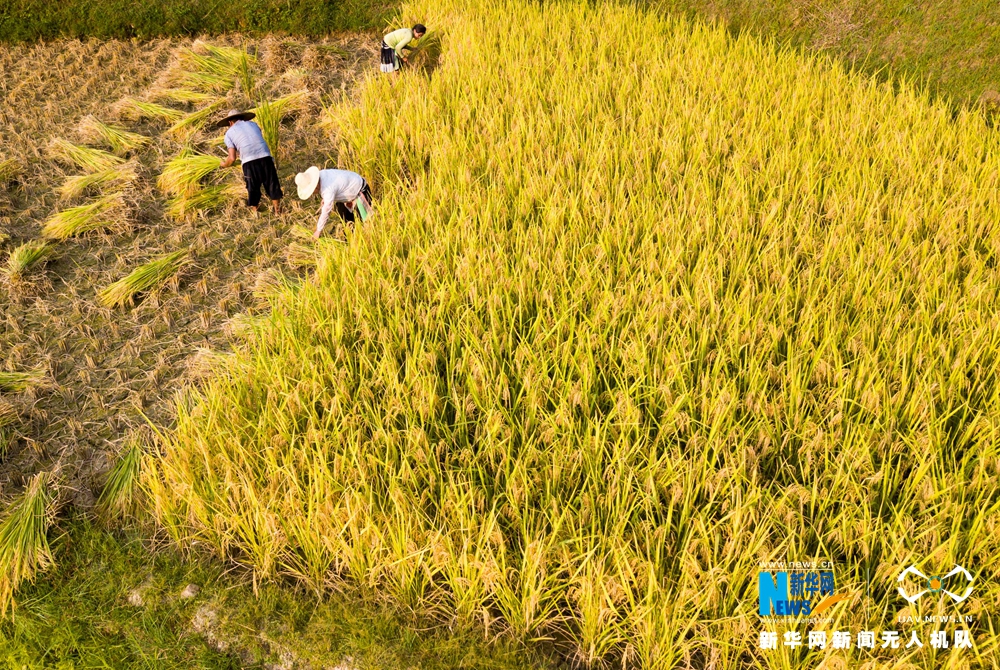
{"type": "Point", "coordinates": [246, 138]}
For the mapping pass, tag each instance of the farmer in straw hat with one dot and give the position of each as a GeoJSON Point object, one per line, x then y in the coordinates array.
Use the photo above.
{"type": "Point", "coordinates": [394, 43]}
{"type": "Point", "coordinates": [245, 138]}
{"type": "Point", "coordinates": [347, 191]}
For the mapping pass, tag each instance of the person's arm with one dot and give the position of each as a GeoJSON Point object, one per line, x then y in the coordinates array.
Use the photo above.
{"type": "Point", "coordinates": [230, 159]}
{"type": "Point", "coordinates": [402, 43]}
{"type": "Point", "coordinates": [324, 214]}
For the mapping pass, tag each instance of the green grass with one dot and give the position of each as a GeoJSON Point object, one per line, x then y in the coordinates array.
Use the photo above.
{"type": "Point", "coordinates": [39, 19]}
{"type": "Point", "coordinates": [949, 44]}
{"type": "Point", "coordinates": [80, 616]}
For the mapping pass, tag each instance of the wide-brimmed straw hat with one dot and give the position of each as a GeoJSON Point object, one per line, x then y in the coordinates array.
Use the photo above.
{"type": "Point", "coordinates": [235, 115]}
{"type": "Point", "coordinates": [306, 182]}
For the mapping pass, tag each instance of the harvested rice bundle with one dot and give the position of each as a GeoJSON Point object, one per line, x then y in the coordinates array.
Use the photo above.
{"type": "Point", "coordinates": [27, 256]}
{"type": "Point", "coordinates": [301, 255]}
{"type": "Point", "coordinates": [118, 497]}
{"type": "Point", "coordinates": [233, 56]}
{"type": "Point", "coordinates": [182, 96]}
{"type": "Point", "coordinates": [83, 218]}
{"type": "Point", "coordinates": [332, 50]}
{"type": "Point", "coordinates": [24, 544]}
{"type": "Point", "coordinates": [207, 198]}
{"type": "Point", "coordinates": [9, 170]}
{"type": "Point", "coordinates": [16, 382]}
{"type": "Point", "coordinates": [120, 140]}
{"type": "Point", "coordinates": [206, 81]}
{"type": "Point", "coordinates": [183, 174]}
{"type": "Point", "coordinates": [217, 70]}
{"type": "Point", "coordinates": [8, 414]}
{"type": "Point", "coordinates": [270, 113]}
{"type": "Point", "coordinates": [76, 185]}
{"type": "Point", "coordinates": [192, 123]}
{"type": "Point", "coordinates": [144, 278]}
{"type": "Point", "coordinates": [133, 109]}
{"type": "Point", "coordinates": [85, 158]}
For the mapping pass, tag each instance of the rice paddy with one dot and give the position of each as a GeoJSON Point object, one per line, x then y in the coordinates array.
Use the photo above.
{"type": "Point", "coordinates": [632, 321]}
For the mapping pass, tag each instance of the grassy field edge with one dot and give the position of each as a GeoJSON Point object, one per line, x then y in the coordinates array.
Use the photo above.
{"type": "Point", "coordinates": [29, 20]}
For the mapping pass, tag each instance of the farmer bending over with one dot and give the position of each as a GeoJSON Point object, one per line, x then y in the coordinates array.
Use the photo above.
{"type": "Point", "coordinates": [346, 190]}
{"type": "Point", "coordinates": [394, 43]}
{"type": "Point", "coordinates": [244, 138]}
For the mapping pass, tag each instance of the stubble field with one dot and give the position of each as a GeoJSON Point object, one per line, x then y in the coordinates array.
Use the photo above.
{"type": "Point", "coordinates": [98, 370]}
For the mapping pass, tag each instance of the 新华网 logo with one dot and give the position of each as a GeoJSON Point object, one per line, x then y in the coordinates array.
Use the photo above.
{"type": "Point", "coordinates": [797, 591]}
{"type": "Point", "coordinates": [913, 584]}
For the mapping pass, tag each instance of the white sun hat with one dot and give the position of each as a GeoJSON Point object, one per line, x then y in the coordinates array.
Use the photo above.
{"type": "Point", "coordinates": [307, 182]}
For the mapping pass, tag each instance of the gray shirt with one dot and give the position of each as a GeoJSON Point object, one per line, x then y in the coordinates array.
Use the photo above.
{"type": "Point", "coordinates": [246, 138]}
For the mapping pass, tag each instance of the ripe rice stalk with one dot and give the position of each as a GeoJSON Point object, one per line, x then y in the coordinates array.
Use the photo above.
{"type": "Point", "coordinates": [144, 278]}
{"type": "Point", "coordinates": [245, 76]}
{"type": "Point", "coordinates": [120, 140]}
{"type": "Point", "coordinates": [217, 70]}
{"type": "Point", "coordinates": [204, 199]}
{"type": "Point", "coordinates": [206, 81]}
{"type": "Point", "coordinates": [24, 544]}
{"type": "Point", "coordinates": [270, 114]}
{"type": "Point", "coordinates": [182, 96]}
{"type": "Point", "coordinates": [206, 362]}
{"type": "Point", "coordinates": [136, 110]}
{"type": "Point", "coordinates": [118, 498]}
{"type": "Point", "coordinates": [27, 256]}
{"type": "Point", "coordinates": [426, 51]}
{"type": "Point", "coordinates": [301, 255]}
{"type": "Point", "coordinates": [10, 169]}
{"type": "Point", "coordinates": [332, 50]}
{"type": "Point", "coordinates": [85, 158]}
{"type": "Point", "coordinates": [218, 59]}
{"type": "Point", "coordinates": [8, 414]}
{"type": "Point", "coordinates": [16, 382]}
{"type": "Point", "coordinates": [192, 123]}
{"type": "Point", "coordinates": [182, 175]}
{"type": "Point", "coordinates": [82, 218]}
{"type": "Point", "coordinates": [77, 185]}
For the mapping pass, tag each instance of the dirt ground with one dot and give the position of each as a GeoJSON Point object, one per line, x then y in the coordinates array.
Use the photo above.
{"type": "Point", "coordinates": [107, 370]}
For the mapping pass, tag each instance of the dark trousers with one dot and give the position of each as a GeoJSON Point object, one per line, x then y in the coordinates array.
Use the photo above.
{"type": "Point", "coordinates": [346, 214]}
{"type": "Point", "coordinates": [261, 172]}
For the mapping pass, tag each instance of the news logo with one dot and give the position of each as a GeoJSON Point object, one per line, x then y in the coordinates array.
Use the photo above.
{"type": "Point", "coordinates": [797, 589]}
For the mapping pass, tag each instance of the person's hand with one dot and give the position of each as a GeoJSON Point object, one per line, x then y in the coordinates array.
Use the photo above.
{"type": "Point", "coordinates": [222, 163]}
{"type": "Point", "coordinates": [316, 235]}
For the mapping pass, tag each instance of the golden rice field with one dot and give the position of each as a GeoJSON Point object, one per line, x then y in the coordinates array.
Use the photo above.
{"type": "Point", "coordinates": [643, 306]}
